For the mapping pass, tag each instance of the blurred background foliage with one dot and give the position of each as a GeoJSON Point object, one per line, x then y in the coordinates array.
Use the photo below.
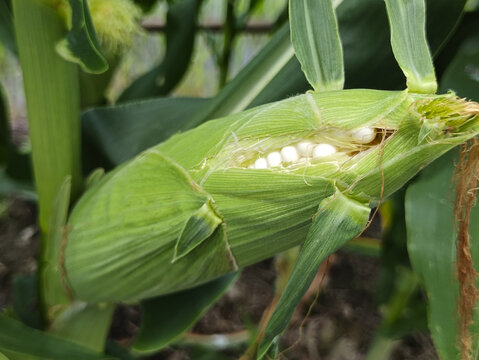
{"type": "Point", "coordinates": [192, 60]}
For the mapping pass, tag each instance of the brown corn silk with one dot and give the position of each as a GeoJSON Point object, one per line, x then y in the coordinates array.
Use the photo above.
{"type": "Point", "coordinates": [467, 177]}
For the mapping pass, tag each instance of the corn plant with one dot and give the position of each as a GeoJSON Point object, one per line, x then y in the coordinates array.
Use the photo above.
{"type": "Point", "coordinates": [191, 211]}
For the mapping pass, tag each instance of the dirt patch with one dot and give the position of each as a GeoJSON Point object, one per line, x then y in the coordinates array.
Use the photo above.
{"type": "Point", "coordinates": [19, 244]}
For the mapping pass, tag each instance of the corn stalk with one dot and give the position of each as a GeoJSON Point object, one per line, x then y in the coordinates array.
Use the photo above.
{"type": "Point", "coordinates": [52, 92]}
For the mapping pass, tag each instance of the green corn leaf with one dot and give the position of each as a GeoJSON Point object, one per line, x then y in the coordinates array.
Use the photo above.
{"type": "Point", "coordinates": [443, 17]}
{"type": "Point", "coordinates": [25, 300]}
{"type": "Point", "coordinates": [198, 228]}
{"type": "Point", "coordinates": [3, 357]}
{"type": "Point", "coordinates": [250, 81]}
{"type": "Point", "coordinates": [408, 39]}
{"type": "Point", "coordinates": [289, 80]}
{"type": "Point", "coordinates": [180, 34]}
{"type": "Point", "coordinates": [7, 35]}
{"type": "Point", "coordinates": [19, 342]}
{"type": "Point", "coordinates": [315, 37]}
{"type": "Point", "coordinates": [51, 88]}
{"type": "Point", "coordinates": [121, 132]}
{"type": "Point", "coordinates": [81, 44]}
{"type": "Point", "coordinates": [338, 220]}
{"type": "Point", "coordinates": [84, 324]}
{"type": "Point", "coordinates": [432, 249]}
{"type": "Point", "coordinates": [462, 75]}
{"type": "Point", "coordinates": [162, 323]}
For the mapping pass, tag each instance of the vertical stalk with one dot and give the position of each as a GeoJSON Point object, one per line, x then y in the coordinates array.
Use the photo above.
{"type": "Point", "coordinates": [229, 33]}
{"type": "Point", "coordinates": [53, 105]}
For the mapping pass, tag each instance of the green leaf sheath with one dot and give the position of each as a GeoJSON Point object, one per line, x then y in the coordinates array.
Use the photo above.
{"type": "Point", "coordinates": [407, 19]}
{"type": "Point", "coordinates": [125, 228]}
{"type": "Point", "coordinates": [51, 287]}
{"type": "Point", "coordinates": [338, 220]}
{"type": "Point", "coordinates": [52, 92]}
{"type": "Point", "coordinates": [315, 37]}
{"type": "Point", "coordinates": [81, 44]}
{"type": "Point", "coordinates": [115, 230]}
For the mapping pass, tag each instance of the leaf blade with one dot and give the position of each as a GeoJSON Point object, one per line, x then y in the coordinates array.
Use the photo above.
{"type": "Point", "coordinates": [407, 20]}
{"type": "Point", "coordinates": [162, 324]}
{"type": "Point", "coordinates": [339, 220]}
{"type": "Point", "coordinates": [315, 38]}
{"type": "Point", "coordinates": [81, 44]}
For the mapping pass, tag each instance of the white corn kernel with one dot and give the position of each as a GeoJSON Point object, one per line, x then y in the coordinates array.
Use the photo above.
{"type": "Point", "coordinates": [289, 154]}
{"type": "Point", "coordinates": [363, 135]}
{"type": "Point", "coordinates": [274, 159]}
{"type": "Point", "coordinates": [261, 163]}
{"type": "Point", "coordinates": [323, 150]}
{"type": "Point", "coordinates": [305, 148]}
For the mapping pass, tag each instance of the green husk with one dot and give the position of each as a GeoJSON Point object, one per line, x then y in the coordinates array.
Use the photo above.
{"type": "Point", "coordinates": [125, 229]}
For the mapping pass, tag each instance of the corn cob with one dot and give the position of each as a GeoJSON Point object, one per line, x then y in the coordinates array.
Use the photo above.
{"type": "Point", "coordinates": [242, 188]}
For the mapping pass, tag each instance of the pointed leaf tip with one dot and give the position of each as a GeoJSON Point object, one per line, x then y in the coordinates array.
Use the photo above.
{"type": "Point", "coordinates": [197, 229]}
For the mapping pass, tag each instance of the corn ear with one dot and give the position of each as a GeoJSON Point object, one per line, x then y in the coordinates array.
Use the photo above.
{"type": "Point", "coordinates": [152, 226]}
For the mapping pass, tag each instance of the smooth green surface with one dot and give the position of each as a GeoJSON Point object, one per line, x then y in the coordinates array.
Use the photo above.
{"type": "Point", "coordinates": [407, 20]}
{"type": "Point", "coordinates": [81, 44]}
{"type": "Point", "coordinates": [316, 42]}
{"type": "Point", "coordinates": [462, 75]}
{"type": "Point", "coordinates": [381, 348]}
{"type": "Point", "coordinates": [122, 132]}
{"type": "Point", "coordinates": [19, 342]}
{"type": "Point", "coordinates": [338, 220]}
{"type": "Point", "coordinates": [181, 22]}
{"type": "Point", "coordinates": [432, 249]}
{"type": "Point", "coordinates": [84, 324]}
{"type": "Point", "coordinates": [51, 87]}
{"type": "Point", "coordinates": [25, 300]}
{"type": "Point", "coordinates": [165, 318]}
